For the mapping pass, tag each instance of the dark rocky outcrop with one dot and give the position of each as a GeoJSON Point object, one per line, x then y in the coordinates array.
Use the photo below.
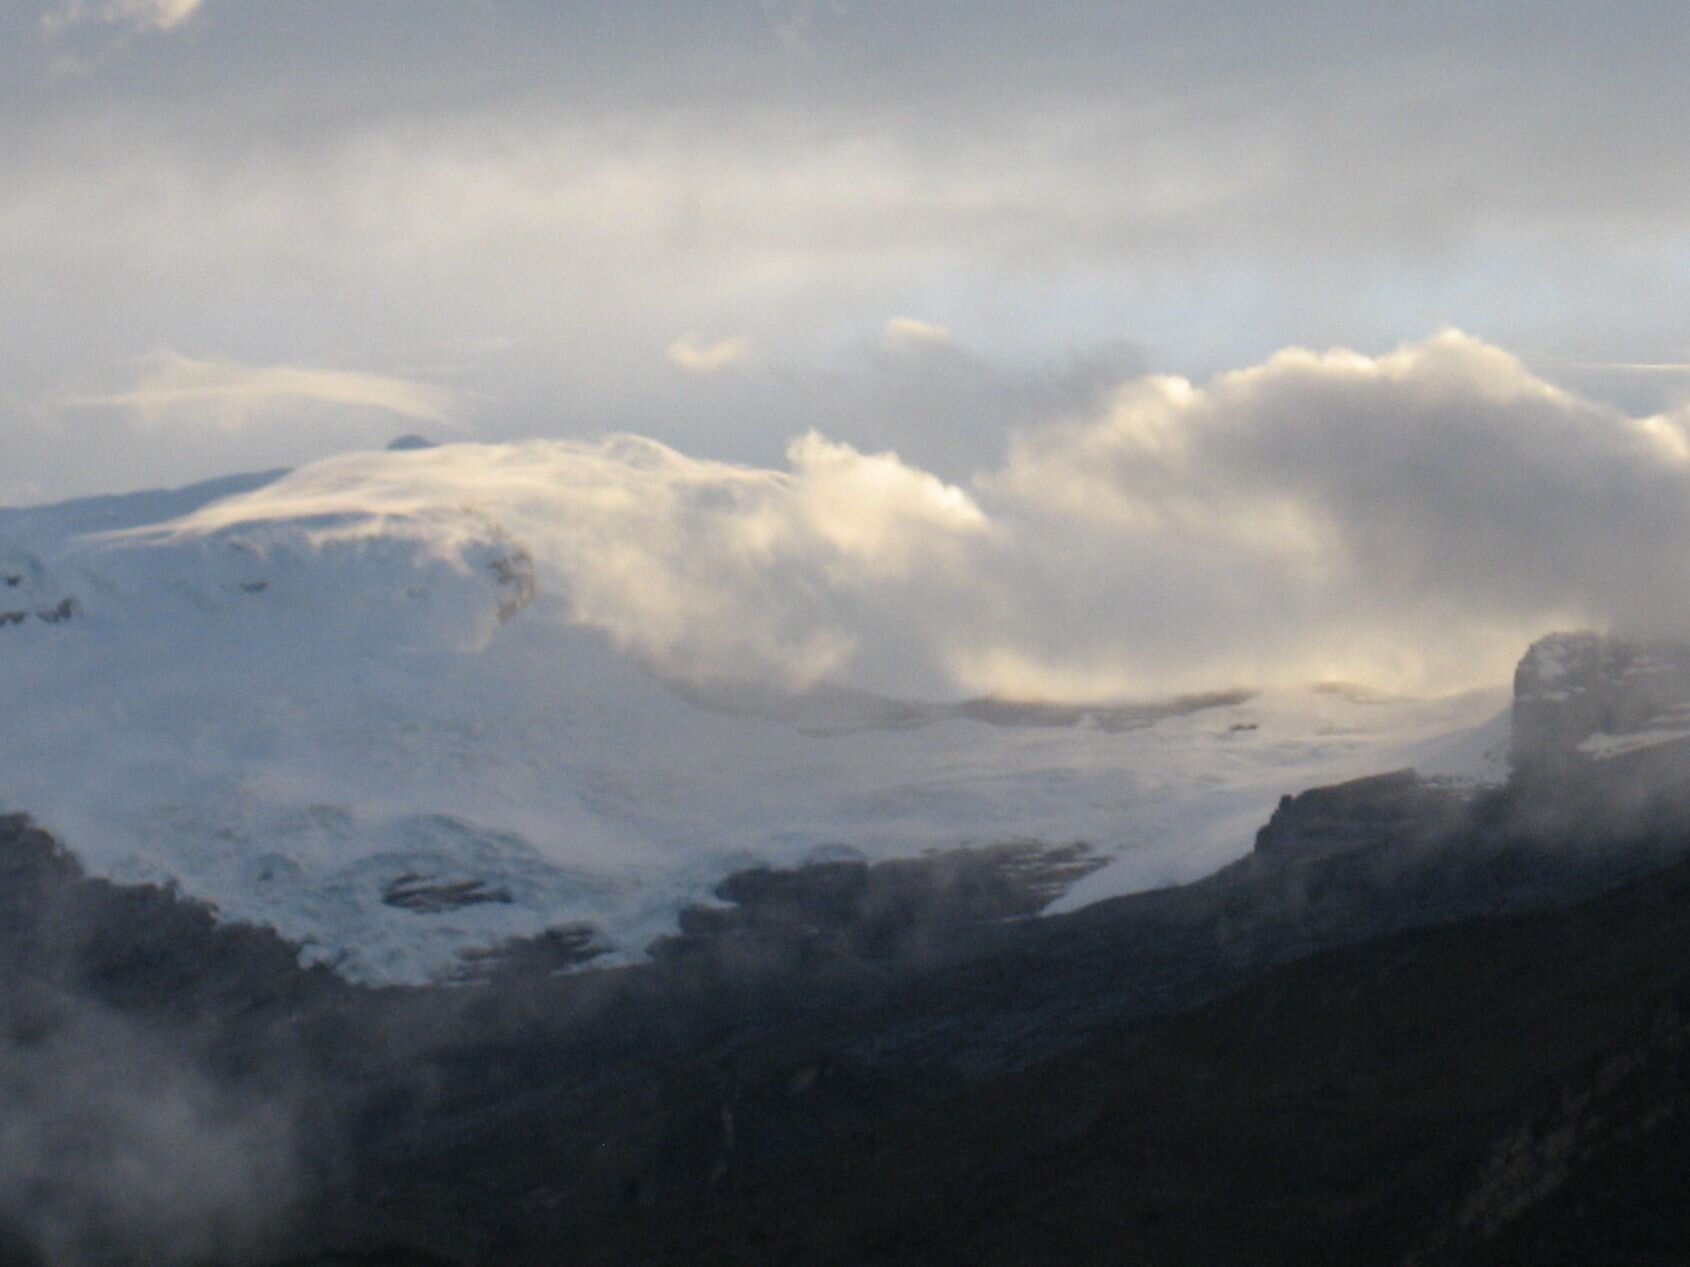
{"type": "Point", "coordinates": [1381, 809]}
{"type": "Point", "coordinates": [410, 892]}
{"type": "Point", "coordinates": [1500, 1091]}
{"type": "Point", "coordinates": [895, 912]}
{"type": "Point", "coordinates": [56, 614]}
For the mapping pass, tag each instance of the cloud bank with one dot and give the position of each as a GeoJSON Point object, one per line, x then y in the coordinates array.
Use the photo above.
{"type": "Point", "coordinates": [1408, 520]}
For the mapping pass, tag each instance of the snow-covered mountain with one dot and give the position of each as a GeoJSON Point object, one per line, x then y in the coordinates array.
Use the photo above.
{"type": "Point", "coordinates": [399, 735]}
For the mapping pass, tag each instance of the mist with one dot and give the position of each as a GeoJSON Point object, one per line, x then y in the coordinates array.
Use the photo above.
{"type": "Point", "coordinates": [115, 1148]}
{"type": "Point", "coordinates": [142, 1122]}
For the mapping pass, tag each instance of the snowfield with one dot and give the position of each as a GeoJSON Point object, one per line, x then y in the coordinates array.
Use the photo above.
{"type": "Point", "coordinates": [308, 729]}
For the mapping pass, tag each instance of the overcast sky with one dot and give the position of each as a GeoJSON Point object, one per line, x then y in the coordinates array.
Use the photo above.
{"type": "Point", "coordinates": [1052, 255]}
{"type": "Point", "coordinates": [236, 233]}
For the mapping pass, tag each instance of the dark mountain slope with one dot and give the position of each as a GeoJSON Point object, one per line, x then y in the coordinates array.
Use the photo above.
{"type": "Point", "coordinates": [835, 1004]}
{"type": "Point", "coordinates": [1503, 1091]}
{"type": "Point", "coordinates": [759, 1042]}
{"type": "Point", "coordinates": [893, 1063]}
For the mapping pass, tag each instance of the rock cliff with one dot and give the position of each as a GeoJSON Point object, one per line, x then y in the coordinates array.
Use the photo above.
{"type": "Point", "coordinates": [1585, 697]}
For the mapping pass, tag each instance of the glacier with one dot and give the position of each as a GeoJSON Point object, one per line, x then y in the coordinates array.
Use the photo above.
{"type": "Point", "coordinates": [399, 747]}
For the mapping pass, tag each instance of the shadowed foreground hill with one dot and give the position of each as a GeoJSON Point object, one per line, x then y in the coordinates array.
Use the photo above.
{"type": "Point", "coordinates": [1504, 1090]}
{"type": "Point", "coordinates": [859, 1065]}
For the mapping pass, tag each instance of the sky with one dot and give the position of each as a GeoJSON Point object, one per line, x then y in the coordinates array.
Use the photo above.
{"type": "Point", "coordinates": [1163, 299]}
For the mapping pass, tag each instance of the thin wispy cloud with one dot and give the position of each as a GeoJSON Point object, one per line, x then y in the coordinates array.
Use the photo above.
{"type": "Point", "coordinates": [1634, 367]}
{"type": "Point", "coordinates": [176, 389]}
{"type": "Point", "coordinates": [139, 15]}
{"type": "Point", "coordinates": [911, 330]}
{"type": "Point", "coordinates": [707, 356]}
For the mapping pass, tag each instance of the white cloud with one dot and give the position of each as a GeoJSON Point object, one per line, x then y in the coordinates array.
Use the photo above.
{"type": "Point", "coordinates": [705, 569]}
{"type": "Point", "coordinates": [1408, 519]}
{"type": "Point", "coordinates": [911, 330]}
{"type": "Point", "coordinates": [875, 509]}
{"type": "Point", "coordinates": [172, 388]}
{"type": "Point", "coordinates": [143, 15]}
{"type": "Point", "coordinates": [707, 356]}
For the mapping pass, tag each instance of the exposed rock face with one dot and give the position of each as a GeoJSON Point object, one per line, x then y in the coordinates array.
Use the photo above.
{"type": "Point", "coordinates": [1586, 697]}
{"type": "Point", "coordinates": [1399, 806]}
{"type": "Point", "coordinates": [430, 897]}
{"type": "Point", "coordinates": [28, 593]}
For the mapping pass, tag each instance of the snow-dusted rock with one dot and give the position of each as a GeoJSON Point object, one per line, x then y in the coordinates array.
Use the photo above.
{"type": "Point", "coordinates": [1586, 697]}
